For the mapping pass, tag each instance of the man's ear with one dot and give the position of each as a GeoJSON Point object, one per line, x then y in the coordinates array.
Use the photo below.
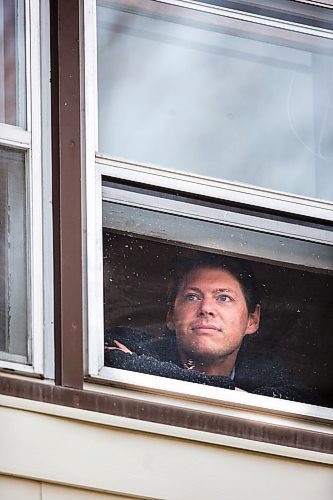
{"type": "Point", "coordinates": [253, 321]}
{"type": "Point", "coordinates": [169, 319]}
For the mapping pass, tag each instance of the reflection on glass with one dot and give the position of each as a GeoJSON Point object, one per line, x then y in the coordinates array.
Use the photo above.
{"type": "Point", "coordinates": [199, 93]}
{"type": "Point", "coordinates": [12, 63]}
{"type": "Point", "coordinates": [13, 281]}
{"type": "Point", "coordinates": [288, 357]}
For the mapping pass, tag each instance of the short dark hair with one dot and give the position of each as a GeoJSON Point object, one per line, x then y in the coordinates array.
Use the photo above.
{"type": "Point", "coordinates": [238, 268]}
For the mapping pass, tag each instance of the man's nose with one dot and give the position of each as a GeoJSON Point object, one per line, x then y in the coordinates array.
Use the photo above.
{"type": "Point", "coordinates": [207, 307]}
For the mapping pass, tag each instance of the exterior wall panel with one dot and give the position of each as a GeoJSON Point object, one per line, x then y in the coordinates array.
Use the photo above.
{"type": "Point", "coordinates": [13, 487]}
{"type": "Point", "coordinates": [71, 447]}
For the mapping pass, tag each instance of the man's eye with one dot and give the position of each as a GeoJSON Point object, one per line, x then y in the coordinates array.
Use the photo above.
{"type": "Point", "coordinates": [224, 298]}
{"type": "Point", "coordinates": [190, 297]}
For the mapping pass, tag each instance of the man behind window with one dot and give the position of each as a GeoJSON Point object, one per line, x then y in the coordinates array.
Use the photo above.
{"type": "Point", "coordinates": [213, 307]}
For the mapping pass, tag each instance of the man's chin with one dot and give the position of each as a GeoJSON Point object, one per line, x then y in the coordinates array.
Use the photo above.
{"type": "Point", "coordinates": [204, 354]}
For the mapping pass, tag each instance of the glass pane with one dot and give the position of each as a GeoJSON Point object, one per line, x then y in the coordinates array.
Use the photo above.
{"type": "Point", "coordinates": [12, 63]}
{"type": "Point", "coordinates": [215, 235]}
{"type": "Point", "coordinates": [148, 238]}
{"type": "Point", "coordinates": [13, 280]}
{"type": "Point", "coordinates": [214, 96]}
{"type": "Point", "coordinates": [286, 355]}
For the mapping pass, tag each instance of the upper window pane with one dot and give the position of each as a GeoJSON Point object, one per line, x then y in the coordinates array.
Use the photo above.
{"type": "Point", "coordinates": [215, 96]}
{"type": "Point", "coordinates": [12, 63]}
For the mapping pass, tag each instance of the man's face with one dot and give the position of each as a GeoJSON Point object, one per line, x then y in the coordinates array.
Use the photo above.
{"type": "Point", "coordinates": [210, 315]}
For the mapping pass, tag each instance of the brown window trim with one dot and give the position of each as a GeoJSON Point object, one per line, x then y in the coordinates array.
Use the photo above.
{"type": "Point", "coordinates": [66, 179]}
{"type": "Point", "coordinates": [169, 415]}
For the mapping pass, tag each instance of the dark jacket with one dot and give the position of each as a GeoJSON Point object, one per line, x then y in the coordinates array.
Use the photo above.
{"type": "Point", "coordinates": [159, 356]}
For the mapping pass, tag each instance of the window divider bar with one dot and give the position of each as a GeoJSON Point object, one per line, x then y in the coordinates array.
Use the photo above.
{"type": "Point", "coordinates": [66, 159]}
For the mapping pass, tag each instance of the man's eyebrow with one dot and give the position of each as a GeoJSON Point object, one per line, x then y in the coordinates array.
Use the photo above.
{"type": "Point", "coordinates": [193, 288]}
{"type": "Point", "coordinates": [217, 290]}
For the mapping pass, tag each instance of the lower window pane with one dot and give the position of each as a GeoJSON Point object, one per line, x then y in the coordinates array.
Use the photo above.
{"type": "Point", "coordinates": [13, 280]}
{"type": "Point", "coordinates": [286, 355]}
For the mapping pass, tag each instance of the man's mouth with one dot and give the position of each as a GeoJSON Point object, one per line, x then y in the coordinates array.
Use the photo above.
{"type": "Point", "coordinates": [205, 327]}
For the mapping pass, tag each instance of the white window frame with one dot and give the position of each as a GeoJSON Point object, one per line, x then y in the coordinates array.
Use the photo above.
{"type": "Point", "coordinates": [98, 165]}
{"type": "Point", "coordinates": [34, 141]}
{"type": "Point", "coordinates": [148, 226]}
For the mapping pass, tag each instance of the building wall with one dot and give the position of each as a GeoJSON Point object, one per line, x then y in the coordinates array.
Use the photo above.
{"type": "Point", "coordinates": [59, 452]}
{"type": "Point", "coordinates": [52, 451]}
{"type": "Point", "coordinates": [25, 489]}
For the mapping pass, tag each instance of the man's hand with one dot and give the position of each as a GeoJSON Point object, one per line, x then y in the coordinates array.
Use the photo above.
{"type": "Point", "coordinates": [120, 347]}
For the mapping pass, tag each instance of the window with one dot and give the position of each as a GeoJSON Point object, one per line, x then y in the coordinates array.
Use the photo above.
{"type": "Point", "coordinates": [210, 140]}
{"type": "Point", "coordinates": [22, 318]}
{"type": "Point", "coordinates": [216, 96]}
{"type": "Point", "coordinates": [145, 235]}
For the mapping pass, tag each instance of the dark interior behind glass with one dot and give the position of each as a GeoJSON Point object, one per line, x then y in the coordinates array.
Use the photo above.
{"type": "Point", "coordinates": [296, 325]}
